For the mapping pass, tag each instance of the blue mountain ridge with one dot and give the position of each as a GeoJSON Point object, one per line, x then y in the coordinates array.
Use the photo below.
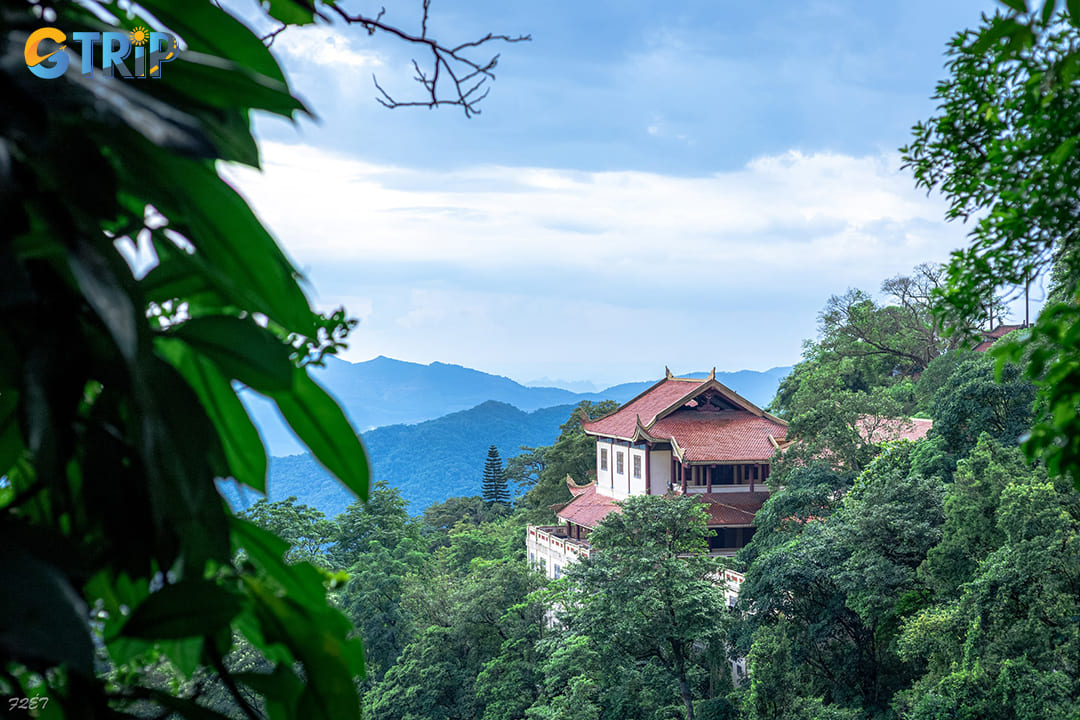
{"type": "Point", "coordinates": [384, 391]}
{"type": "Point", "coordinates": [429, 427]}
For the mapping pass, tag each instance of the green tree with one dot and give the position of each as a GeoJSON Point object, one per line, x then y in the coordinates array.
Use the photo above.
{"type": "Point", "coordinates": [510, 682]}
{"type": "Point", "coordinates": [463, 622]}
{"type": "Point", "coordinates": [381, 547]}
{"type": "Point", "coordinates": [645, 594]}
{"type": "Point", "coordinates": [861, 372]}
{"type": "Point", "coordinates": [811, 492]}
{"type": "Point", "coordinates": [1008, 647]}
{"type": "Point", "coordinates": [544, 470]}
{"type": "Point", "coordinates": [440, 520]}
{"type": "Point", "coordinates": [1002, 151]}
{"type": "Point", "coordinates": [493, 488]}
{"type": "Point", "coordinates": [897, 340]}
{"type": "Point", "coordinates": [118, 391]}
{"type": "Point", "coordinates": [977, 400]}
{"type": "Point", "coordinates": [840, 587]}
{"type": "Point", "coordinates": [306, 529]}
{"type": "Point", "coordinates": [970, 532]}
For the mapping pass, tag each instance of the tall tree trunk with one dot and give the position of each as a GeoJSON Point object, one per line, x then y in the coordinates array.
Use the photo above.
{"type": "Point", "coordinates": [684, 684]}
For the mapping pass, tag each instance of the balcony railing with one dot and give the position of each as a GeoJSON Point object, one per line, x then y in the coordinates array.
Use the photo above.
{"type": "Point", "coordinates": [555, 538]}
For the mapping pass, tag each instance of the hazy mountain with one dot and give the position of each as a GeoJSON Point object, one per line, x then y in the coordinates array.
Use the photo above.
{"type": "Point", "coordinates": [428, 462]}
{"type": "Point", "coordinates": [580, 386]}
{"type": "Point", "coordinates": [443, 457]}
{"type": "Point", "coordinates": [384, 392]}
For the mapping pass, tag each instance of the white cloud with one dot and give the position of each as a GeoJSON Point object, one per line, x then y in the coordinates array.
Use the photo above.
{"type": "Point", "coordinates": [541, 270]}
{"type": "Point", "coordinates": [788, 212]}
{"type": "Point", "coordinates": [326, 47]}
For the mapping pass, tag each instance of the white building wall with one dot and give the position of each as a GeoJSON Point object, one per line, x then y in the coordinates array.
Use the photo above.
{"type": "Point", "coordinates": [620, 480]}
{"type": "Point", "coordinates": [659, 471]}
{"type": "Point", "coordinates": [603, 477]}
{"type": "Point", "coordinates": [637, 484]}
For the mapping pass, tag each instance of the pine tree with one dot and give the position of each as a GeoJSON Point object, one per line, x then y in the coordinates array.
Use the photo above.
{"type": "Point", "coordinates": [494, 487]}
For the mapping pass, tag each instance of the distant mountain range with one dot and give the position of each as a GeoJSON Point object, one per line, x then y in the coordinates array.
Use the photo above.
{"type": "Point", "coordinates": [428, 462]}
{"type": "Point", "coordinates": [385, 391]}
{"type": "Point", "coordinates": [456, 413]}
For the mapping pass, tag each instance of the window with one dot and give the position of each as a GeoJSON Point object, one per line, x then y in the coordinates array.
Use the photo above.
{"type": "Point", "coordinates": [558, 571]}
{"type": "Point", "coordinates": [637, 466]}
{"type": "Point", "coordinates": [532, 558]}
{"type": "Point", "coordinates": [603, 459]}
{"type": "Point", "coordinates": [619, 462]}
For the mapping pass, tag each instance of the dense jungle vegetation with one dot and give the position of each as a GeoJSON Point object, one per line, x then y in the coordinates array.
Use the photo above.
{"type": "Point", "coordinates": [933, 579]}
{"type": "Point", "coordinates": [937, 579]}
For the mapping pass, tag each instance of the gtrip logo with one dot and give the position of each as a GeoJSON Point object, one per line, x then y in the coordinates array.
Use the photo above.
{"type": "Point", "coordinates": [45, 56]}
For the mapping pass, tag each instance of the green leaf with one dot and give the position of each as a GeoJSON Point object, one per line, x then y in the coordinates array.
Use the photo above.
{"type": "Point", "coordinates": [1063, 151]}
{"type": "Point", "coordinates": [225, 84]}
{"type": "Point", "coordinates": [292, 12]}
{"type": "Point", "coordinates": [107, 289]}
{"type": "Point", "coordinates": [999, 28]}
{"type": "Point", "coordinates": [180, 276]}
{"type": "Point", "coordinates": [244, 450]}
{"type": "Point", "coordinates": [185, 654]}
{"type": "Point", "coordinates": [243, 350]}
{"type": "Point", "coordinates": [1073, 8]}
{"type": "Point", "coordinates": [267, 551]}
{"type": "Point", "coordinates": [247, 265]}
{"type": "Point", "coordinates": [52, 628]}
{"type": "Point", "coordinates": [159, 123]}
{"type": "Point", "coordinates": [1019, 6]}
{"type": "Point", "coordinates": [231, 134]}
{"type": "Point", "coordinates": [1048, 11]}
{"type": "Point", "coordinates": [317, 638]}
{"type": "Point", "coordinates": [182, 453]}
{"type": "Point", "coordinates": [322, 426]}
{"type": "Point", "coordinates": [190, 608]}
{"type": "Point", "coordinates": [281, 689]}
{"type": "Point", "coordinates": [207, 28]}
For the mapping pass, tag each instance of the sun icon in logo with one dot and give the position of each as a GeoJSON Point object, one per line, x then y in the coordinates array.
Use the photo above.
{"type": "Point", "coordinates": [139, 36]}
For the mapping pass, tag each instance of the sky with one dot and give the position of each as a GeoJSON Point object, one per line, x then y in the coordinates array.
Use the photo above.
{"type": "Point", "coordinates": [647, 185]}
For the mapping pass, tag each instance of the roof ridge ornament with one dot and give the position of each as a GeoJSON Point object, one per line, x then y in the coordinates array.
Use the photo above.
{"type": "Point", "coordinates": [667, 374]}
{"type": "Point", "coordinates": [712, 375]}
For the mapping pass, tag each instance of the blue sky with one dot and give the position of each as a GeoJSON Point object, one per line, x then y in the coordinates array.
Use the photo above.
{"type": "Point", "coordinates": [647, 185]}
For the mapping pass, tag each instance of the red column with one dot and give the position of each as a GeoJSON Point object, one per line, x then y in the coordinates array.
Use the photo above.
{"type": "Point", "coordinates": [708, 479]}
{"type": "Point", "coordinates": [683, 477]}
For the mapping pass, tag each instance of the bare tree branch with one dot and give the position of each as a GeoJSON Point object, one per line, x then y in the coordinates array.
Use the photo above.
{"type": "Point", "coordinates": [454, 78]}
{"type": "Point", "coordinates": [268, 38]}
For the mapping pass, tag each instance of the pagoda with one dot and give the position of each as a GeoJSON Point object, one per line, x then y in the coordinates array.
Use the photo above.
{"type": "Point", "coordinates": [681, 436]}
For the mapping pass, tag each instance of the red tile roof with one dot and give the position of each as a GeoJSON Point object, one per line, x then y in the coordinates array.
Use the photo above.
{"type": "Point", "coordinates": [574, 488]}
{"type": "Point", "coordinates": [877, 430]}
{"type": "Point", "coordinates": [737, 508]}
{"type": "Point", "coordinates": [725, 436]}
{"type": "Point", "coordinates": [623, 422]}
{"type": "Point", "coordinates": [734, 508]}
{"type": "Point", "coordinates": [728, 428]}
{"type": "Point", "coordinates": [992, 336]}
{"type": "Point", "coordinates": [588, 508]}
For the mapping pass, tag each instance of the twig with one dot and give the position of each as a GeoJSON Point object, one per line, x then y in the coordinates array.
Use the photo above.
{"type": "Point", "coordinates": [465, 76]}
{"type": "Point", "coordinates": [268, 38]}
